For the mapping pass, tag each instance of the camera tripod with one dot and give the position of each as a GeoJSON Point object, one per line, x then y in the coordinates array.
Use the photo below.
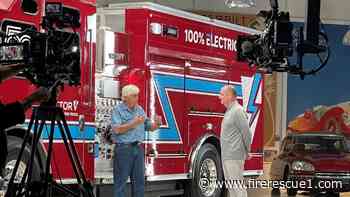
{"type": "Point", "coordinates": [44, 187]}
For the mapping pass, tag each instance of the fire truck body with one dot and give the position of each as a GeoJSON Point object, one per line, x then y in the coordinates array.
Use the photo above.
{"type": "Point", "coordinates": [180, 61]}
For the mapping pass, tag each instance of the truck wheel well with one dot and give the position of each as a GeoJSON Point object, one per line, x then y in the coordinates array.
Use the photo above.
{"type": "Point", "coordinates": [17, 132]}
{"type": "Point", "coordinates": [210, 139]}
{"type": "Point", "coordinates": [214, 141]}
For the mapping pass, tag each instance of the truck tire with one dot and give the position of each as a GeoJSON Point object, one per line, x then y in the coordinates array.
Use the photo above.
{"type": "Point", "coordinates": [206, 167]}
{"type": "Point", "coordinates": [290, 191]}
{"type": "Point", "coordinates": [14, 147]}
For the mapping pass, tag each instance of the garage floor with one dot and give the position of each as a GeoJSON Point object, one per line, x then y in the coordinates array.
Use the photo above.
{"type": "Point", "coordinates": [107, 191]}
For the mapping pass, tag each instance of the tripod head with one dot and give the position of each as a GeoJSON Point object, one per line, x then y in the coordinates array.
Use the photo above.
{"type": "Point", "coordinates": [53, 94]}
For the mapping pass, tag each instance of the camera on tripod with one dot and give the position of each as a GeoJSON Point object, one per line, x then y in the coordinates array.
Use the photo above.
{"type": "Point", "coordinates": [51, 55]}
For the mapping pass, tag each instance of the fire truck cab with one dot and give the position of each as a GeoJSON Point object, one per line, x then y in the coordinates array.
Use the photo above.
{"type": "Point", "coordinates": [180, 61]}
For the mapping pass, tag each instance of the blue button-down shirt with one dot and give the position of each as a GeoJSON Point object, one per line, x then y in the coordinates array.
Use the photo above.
{"type": "Point", "coordinates": [122, 114]}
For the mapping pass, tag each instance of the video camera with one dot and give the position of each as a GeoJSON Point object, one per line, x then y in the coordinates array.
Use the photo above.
{"type": "Point", "coordinates": [50, 56]}
{"type": "Point", "coordinates": [270, 51]}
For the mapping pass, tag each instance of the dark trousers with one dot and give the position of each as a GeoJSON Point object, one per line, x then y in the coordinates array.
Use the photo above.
{"type": "Point", "coordinates": [129, 161]}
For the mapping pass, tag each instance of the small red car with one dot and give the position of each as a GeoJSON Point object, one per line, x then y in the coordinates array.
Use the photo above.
{"type": "Point", "coordinates": [313, 161]}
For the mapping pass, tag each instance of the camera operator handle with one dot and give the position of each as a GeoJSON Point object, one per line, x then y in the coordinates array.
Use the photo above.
{"type": "Point", "coordinates": [53, 91]}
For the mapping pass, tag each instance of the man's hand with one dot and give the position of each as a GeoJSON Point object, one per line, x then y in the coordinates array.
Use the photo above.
{"type": "Point", "coordinates": [158, 120]}
{"type": "Point", "coordinates": [156, 124]}
{"type": "Point", "coordinates": [132, 124]}
{"type": "Point", "coordinates": [138, 120]}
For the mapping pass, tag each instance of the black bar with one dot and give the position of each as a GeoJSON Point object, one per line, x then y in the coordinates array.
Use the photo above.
{"type": "Point", "coordinates": [274, 4]}
{"type": "Point", "coordinates": [36, 137]}
{"type": "Point", "coordinates": [35, 140]}
{"type": "Point", "coordinates": [49, 152]}
{"type": "Point", "coordinates": [29, 167]}
{"type": "Point", "coordinates": [65, 190]}
{"type": "Point", "coordinates": [69, 152]}
{"type": "Point", "coordinates": [71, 143]}
{"type": "Point", "coordinates": [312, 21]}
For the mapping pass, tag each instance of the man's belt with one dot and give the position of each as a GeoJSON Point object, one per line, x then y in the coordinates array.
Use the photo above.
{"type": "Point", "coordinates": [136, 143]}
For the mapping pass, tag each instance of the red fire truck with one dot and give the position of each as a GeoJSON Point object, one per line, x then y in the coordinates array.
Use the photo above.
{"type": "Point", "coordinates": [180, 61]}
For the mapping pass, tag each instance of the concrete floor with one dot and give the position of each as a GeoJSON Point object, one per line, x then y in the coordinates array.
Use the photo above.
{"type": "Point", "coordinates": [267, 193]}
{"type": "Point", "coordinates": [251, 192]}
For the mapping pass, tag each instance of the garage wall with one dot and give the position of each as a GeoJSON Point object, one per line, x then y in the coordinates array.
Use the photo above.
{"type": "Point", "coordinates": [322, 102]}
{"type": "Point", "coordinates": [333, 11]}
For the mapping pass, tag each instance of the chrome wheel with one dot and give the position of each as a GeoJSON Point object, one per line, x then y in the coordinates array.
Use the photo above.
{"type": "Point", "coordinates": [9, 170]}
{"type": "Point", "coordinates": [208, 177]}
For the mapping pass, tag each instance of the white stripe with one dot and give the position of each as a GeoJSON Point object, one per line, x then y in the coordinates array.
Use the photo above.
{"type": "Point", "coordinates": [166, 66]}
{"type": "Point", "coordinates": [253, 172]}
{"type": "Point", "coordinates": [75, 141]}
{"type": "Point", "coordinates": [207, 70]}
{"type": "Point", "coordinates": [197, 77]}
{"type": "Point", "coordinates": [67, 181]}
{"type": "Point", "coordinates": [169, 156]}
{"type": "Point", "coordinates": [70, 122]}
{"type": "Point", "coordinates": [167, 73]}
{"type": "Point", "coordinates": [162, 142]}
{"type": "Point", "coordinates": [197, 92]}
{"type": "Point", "coordinates": [165, 177]}
{"type": "Point", "coordinates": [206, 115]}
{"type": "Point", "coordinates": [215, 80]}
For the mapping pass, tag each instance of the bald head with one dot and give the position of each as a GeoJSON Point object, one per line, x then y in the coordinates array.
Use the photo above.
{"type": "Point", "coordinates": [229, 89]}
{"type": "Point", "coordinates": [227, 95]}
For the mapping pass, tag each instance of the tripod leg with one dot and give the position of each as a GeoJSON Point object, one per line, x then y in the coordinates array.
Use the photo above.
{"type": "Point", "coordinates": [35, 140]}
{"type": "Point", "coordinates": [36, 136]}
{"type": "Point", "coordinates": [86, 185]}
{"type": "Point", "coordinates": [49, 154]}
{"type": "Point", "coordinates": [69, 151]}
{"type": "Point", "coordinates": [11, 191]}
{"type": "Point", "coordinates": [71, 143]}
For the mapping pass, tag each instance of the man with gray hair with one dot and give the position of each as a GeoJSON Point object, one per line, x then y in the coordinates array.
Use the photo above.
{"type": "Point", "coordinates": [129, 123]}
{"type": "Point", "coordinates": [235, 140]}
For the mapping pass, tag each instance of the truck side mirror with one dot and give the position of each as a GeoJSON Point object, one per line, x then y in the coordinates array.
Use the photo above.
{"type": "Point", "coordinates": [29, 6]}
